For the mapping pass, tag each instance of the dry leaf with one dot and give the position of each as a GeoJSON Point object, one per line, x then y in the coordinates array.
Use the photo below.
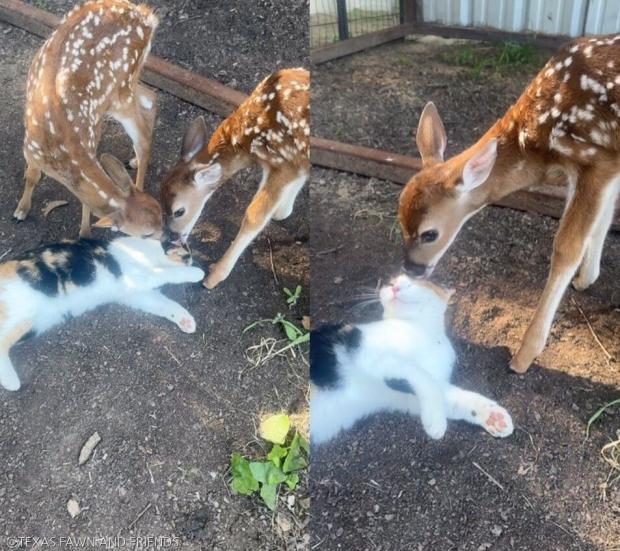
{"type": "Point", "coordinates": [87, 449]}
{"type": "Point", "coordinates": [53, 205]}
{"type": "Point", "coordinates": [305, 322]}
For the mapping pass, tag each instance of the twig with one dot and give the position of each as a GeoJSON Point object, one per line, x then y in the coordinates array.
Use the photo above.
{"type": "Point", "coordinates": [5, 253]}
{"type": "Point", "coordinates": [491, 478]}
{"type": "Point", "coordinates": [327, 251]}
{"type": "Point", "coordinates": [172, 355]}
{"type": "Point", "coordinates": [132, 525]}
{"type": "Point", "coordinates": [273, 268]}
{"type": "Point", "coordinates": [608, 356]}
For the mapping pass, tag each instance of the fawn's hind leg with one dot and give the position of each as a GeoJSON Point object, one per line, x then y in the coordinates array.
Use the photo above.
{"type": "Point", "coordinates": [257, 215]}
{"type": "Point", "coordinates": [138, 119]}
{"type": "Point", "coordinates": [8, 376]}
{"type": "Point", "coordinates": [289, 194]}
{"type": "Point", "coordinates": [31, 179]}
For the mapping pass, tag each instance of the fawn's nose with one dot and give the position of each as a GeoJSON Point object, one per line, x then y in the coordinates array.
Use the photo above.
{"type": "Point", "coordinates": [413, 269]}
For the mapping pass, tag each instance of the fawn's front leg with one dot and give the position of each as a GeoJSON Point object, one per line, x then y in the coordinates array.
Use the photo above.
{"type": "Point", "coordinates": [154, 302]}
{"type": "Point", "coordinates": [257, 216]}
{"type": "Point", "coordinates": [576, 226]}
{"type": "Point", "coordinates": [31, 179]}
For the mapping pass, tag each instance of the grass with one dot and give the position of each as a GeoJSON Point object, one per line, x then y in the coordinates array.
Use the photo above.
{"type": "Point", "coordinates": [504, 58]}
{"type": "Point", "coordinates": [611, 450]}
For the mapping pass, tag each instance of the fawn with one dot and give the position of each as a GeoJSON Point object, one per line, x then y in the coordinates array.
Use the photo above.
{"type": "Point", "coordinates": [271, 129]}
{"type": "Point", "coordinates": [89, 68]}
{"type": "Point", "coordinates": [563, 129]}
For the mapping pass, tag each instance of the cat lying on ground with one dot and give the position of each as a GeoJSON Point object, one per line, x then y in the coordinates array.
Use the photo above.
{"type": "Point", "coordinates": [401, 363]}
{"type": "Point", "coordinates": [45, 286]}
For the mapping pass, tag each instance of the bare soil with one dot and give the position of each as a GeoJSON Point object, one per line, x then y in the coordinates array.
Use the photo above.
{"type": "Point", "coordinates": [384, 485]}
{"type": "Point", "coordinates": [170, 407]}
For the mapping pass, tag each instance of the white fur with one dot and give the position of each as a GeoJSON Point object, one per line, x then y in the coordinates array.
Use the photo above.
{"type": "Point", "coordinates": [144, 267]}
{"type": "Point", "coordinates": [410, 343]}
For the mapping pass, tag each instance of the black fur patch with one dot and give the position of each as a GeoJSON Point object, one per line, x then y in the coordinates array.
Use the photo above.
{"type": "Point", "coordinates": [400, 385]}
{"type": "Point", "coordinates": [323, 362]}
{"type": "Point", "coordinates": [50, 268]}
{"type": "Point", "coordinates": [29, 335]}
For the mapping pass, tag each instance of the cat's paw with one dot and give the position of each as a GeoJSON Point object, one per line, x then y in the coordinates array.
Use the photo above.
{"type": "Point", "coordinates": [187, 324]}
{"type": "Point", "coordinates": [10, 381]}
{"type": "Point", "coordinates": [435, 425]}
{"type": "Point", "coordinates": [496, 420]}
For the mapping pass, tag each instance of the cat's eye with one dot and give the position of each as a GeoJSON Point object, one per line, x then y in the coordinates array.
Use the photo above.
{"type": "Point", "coordinates": [147, 235]}
{"type": "Point", "coordinates": [429, 236]}
{"type": "Point", "coordinates": [179, 212]}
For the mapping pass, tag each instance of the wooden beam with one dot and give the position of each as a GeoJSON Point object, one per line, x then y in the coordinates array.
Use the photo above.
{"type": "Point", "coordinates": [491, 35]}
{"type": "Point", "coordinates": [359, 43]}
{"type": "Point", "coordinates": [363, 160]}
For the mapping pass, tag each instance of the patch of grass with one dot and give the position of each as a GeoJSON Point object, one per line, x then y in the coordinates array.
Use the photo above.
{"type": "Point", "coordinates": [281, 465]}
{"type": "Point", "coordinates": [503, 58]}
{"type": "Point", "coordinates": [41, 4]}
{"type": "Point", "coordinates": [597, 414]}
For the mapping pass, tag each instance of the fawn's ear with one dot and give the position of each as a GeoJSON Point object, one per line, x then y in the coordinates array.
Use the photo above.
{"type": "Point", "coordinates": [110, 221]}
{"type": "Point", "coordinates": [117, 172]}
{"type": "Point", "coordinates": [479, 167]}
{"type": "Point", "coordinates": [208, 176]}
{"type": "Point", "coordinates": [195, 138]}
{"type": "Point", "coordinates": [431, 136]}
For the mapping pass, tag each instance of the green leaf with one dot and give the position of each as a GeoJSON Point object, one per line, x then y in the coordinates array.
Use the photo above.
{"type": "Point", "coordinates": [295, 459]}
{"type": "Point", "coordinates": [276, 455]}
{"type": "Point", "coordinates": [269, 493]}
{"type": "Point", "coordinates": [243, 481]}
{"type": "Point", "coordinates": [275, 428]}
{"type": "Point", "coordinates": [266, 472]}
{"type": "Point", "coordinates": [600, 412]}
{"type": "Point", "coordinates": [287, 292]}
{"type": "Point", "coordinates": [292, 480]}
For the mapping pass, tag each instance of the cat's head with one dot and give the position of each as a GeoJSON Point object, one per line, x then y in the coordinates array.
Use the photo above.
{"type": "Point", "coordinates": [408, 298]}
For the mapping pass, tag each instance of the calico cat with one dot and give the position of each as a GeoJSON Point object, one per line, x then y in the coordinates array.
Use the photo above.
{"type": "Point", "coordinates": [401, 363]}
{"type": "Point", "coordinates": [45, 286]}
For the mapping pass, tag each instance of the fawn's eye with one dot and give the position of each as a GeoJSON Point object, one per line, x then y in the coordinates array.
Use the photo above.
{"type": "Point", "coordinates": [429, 236]}
{"type": "Point", "coordinates": [179, 212]}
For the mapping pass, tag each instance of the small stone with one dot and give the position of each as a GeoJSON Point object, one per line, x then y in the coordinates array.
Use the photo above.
{"type": "Point", "coordinates": [283, 523]}
{"type": "Point", "coordinates": [73, 507]}
{"type": "Point", "coordinates": [432, 482]}
{"type": "Point", "coordinates": [338, 280]}
{"type": "Point", "coordinates": [496, 531]}
{"type": "Point", "coordinates": [390, 517]}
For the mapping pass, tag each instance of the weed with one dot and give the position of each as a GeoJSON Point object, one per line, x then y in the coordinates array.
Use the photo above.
{"type": "Point", "coordinates": [503, 58]}
{"type": "Point", "coordinates": [281, 465]}
{"type": "Point", "coordinates": [292, 296]}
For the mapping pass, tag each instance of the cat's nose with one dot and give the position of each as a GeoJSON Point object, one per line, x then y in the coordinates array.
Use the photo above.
{"type": "Point", "coordinates": [395, 289]}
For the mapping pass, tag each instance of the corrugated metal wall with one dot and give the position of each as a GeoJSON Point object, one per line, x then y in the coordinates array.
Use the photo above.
{"type": "Point", "coordinates": [566, 17]}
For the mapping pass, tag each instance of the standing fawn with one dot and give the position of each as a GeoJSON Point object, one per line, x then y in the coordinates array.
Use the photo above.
{"type": "Point", "coordinates": [271, 129]}
{"type": "Point", "coordinates": [564, 128]}
{"type": "Point", "coordinates": [89, 68]}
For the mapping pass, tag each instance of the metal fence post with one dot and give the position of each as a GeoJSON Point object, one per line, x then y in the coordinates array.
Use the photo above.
{"type": "Point", "coordinates": [343, 22]}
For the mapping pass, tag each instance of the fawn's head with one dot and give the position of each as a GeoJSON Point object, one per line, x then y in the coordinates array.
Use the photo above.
{"type": "Point", "coordinates": [438, 200]}
{"type": "Point", "coordinates": [190, 183]}
{"type": "Point", "coordinates": [139, 214]}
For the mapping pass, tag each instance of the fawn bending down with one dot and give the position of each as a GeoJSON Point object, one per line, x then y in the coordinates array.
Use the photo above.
{"type": "Point", "coordinates": [401, 363]}
{"type": "Point", "coordinates": [563, 129]}
{"type": "Point", "coordinates": [43, 287]}
{"type": "Point", "coordinates": [89, 68]}
{"type": "Point", "coordinates": [271, 129]}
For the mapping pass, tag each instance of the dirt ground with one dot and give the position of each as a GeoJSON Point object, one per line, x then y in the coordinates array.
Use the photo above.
{"type": "Point", "coordinates": [170, 407]}
{"type": "Point", "coordinates": [384, 485]}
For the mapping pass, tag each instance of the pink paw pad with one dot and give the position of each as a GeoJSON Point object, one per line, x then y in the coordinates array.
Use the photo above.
{"type": "Point", "coordinates": [187, 324]}
{"type": "Point", "coordinates": [499, 423]}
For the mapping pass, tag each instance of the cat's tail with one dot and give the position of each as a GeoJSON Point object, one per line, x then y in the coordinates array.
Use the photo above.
{"type": "Point", "coordinates": [8, 376]}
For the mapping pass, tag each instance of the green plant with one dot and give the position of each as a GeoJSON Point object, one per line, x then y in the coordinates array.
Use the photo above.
{"type": "Point", "coordinates": [508, 56]}
{"type": "Point", "coordinates": [294, 334]}
{"type": "Point", "coordinates": [292, 296]}
{"type": "Point", "coordinates": [281, 465]}
{"type": "Point", "coordinates": [600, 412]}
